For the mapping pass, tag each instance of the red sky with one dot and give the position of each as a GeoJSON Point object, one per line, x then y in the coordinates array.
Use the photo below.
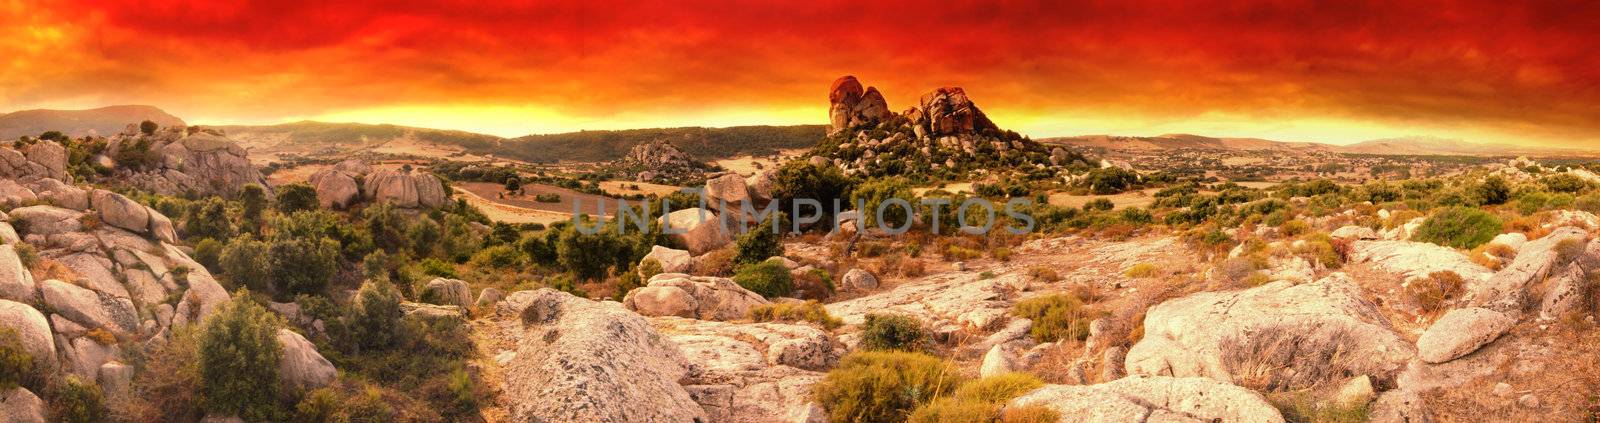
{"type": "Point", "coordinates": [1296, 70]}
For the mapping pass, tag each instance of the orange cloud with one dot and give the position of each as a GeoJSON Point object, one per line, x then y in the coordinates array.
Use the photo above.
{"type": "Point", "coordinates": [1484, 69]}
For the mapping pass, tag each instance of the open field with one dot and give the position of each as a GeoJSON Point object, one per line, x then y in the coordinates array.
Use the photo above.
{"type": "Point", "coordinates": [590, 203]}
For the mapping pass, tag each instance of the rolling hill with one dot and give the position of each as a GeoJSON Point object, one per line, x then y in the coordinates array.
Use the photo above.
{"type": "Point", "coordinates": [102, 121]}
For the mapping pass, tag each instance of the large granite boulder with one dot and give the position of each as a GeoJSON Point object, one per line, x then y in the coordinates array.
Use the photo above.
{"type": "Point", "coordinates": [444, 291]}
{"type": "Point", "coordinates": [92, 309]}
{"type": "Point", "coordinates": [1460, 332]}
{"type": "Point", "coordinates": [948, 111]}
{"type": "Point", "coordinates": [699, 230]}
{"type": "Point", "coordinates": [335, 189]}
{"type": "Point", "coordinates": [671, 260]}
{"type": "Point", "coordinates": [583, 360]}
{"type": "Point", "coordinates": [302, 367]}
{"type": "Point", "coordinates": [19, 405]}
{"type": "Point", "coordinates": [697, 297]}
{"type": "Point", "coordinates": [16, 282]}
{"type": "Point", "coordinates": [407, 189]}
{"type": "Point", "coordinates": [1231, 335]}
{"type": "Point", "coordinates": [1153, 398]}
{"type": "Point", "coordinates": [44, 159]}
{"type": "Point", "coordinates": [32, 329]}
{"type": "Point", "coordinates": [850, 106]}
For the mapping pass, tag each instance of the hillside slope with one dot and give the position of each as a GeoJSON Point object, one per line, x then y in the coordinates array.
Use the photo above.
{"type": "Point", "coordinates": [102, 121]}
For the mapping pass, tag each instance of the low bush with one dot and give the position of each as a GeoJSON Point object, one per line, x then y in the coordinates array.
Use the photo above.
{"type": "Point", "coordinates": [1459, 227]}
{"type": "Point", "coordinates": [1142, 270]}
{"type": "Point", "coordinates": [1435, 292]}
{"type": "Point", "coordinates": [768, 278]}
{"type": "Point", "coordinates": [809, 311]}
{"type": "Point", "coordinates": [16, 364]}
{"type": "Point", "coordinates": [978, 401]}
{"type": "Point", "coordinates": [884, 386]}
{"type": "Point", "coordinates": [813, 284]}
{"type": "Point", "coordinates": [1056, 317]}
{"type": "Point", "coordinates": [893, 332]}
{"type": "Point", "coordinates": [77, 401]}
{"type": "Point", "coordinates": [1043, 274]}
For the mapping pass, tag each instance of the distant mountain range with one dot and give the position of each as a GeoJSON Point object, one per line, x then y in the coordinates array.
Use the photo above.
{"type": "Point", "coordinates": [703, 143]}
{"type": "Point", "coordinates": [77, 123]}
{"type": "Point", "coordinates": [1405, 146]}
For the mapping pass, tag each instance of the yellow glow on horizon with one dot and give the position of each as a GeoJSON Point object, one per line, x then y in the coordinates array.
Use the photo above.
{"type": "Point", "coordinates": [515, 121]}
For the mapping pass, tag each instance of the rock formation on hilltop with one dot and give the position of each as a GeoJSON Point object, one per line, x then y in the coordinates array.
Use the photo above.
{"type": "Point", "coordinates": [948, 111]}
{"type": "Point", "coordinates": [660, 161]}
{"type": "Point", "coordinates": [850, 106]}
{"type": "Point", "coordinates": [177, 160]}
{"type": "Point", "coordinates": [945, 136]}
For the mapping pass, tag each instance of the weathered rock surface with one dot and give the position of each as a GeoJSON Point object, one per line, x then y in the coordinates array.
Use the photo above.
{"type": "Point", "coordinates": [18, 405]}
{"type": "Point", "coordinates": [1196, 335]}
{"type": "Point", "coordinates": [1147, 398]}
{"type": "Point", "coordinates": [751, 372]}
{"type": "Point", "coordinates": [1507, 290]}
{"type": "Point", "coordinates": [1417, 259]}
{"type": "Point", "coordinates": [948, 111]}
{"type": "Point", "coordinates": [1460, 332]}
{"type": "Point", "coordinates": [697, 297]}
{"type": "Point", "coordinates": [660, 161]}
{"type": "Point", "coordinates": [302, 367]}
{"type": "Point", "coordinates": [582, 360]}
{"type": "Point", "coordinates": [45, 159]}
{"type": "Point", "coordinates": [91, 309]}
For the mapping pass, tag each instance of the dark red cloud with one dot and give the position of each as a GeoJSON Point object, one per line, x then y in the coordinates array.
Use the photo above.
{"type": "Point", "coordinates": [1510, 66]}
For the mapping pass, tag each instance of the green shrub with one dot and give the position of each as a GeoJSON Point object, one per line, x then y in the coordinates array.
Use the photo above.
{"type": "Point", "coordinates": [436, 268]}
{"type": "Point", "coordinates": [1459, 227]}
{"type": "Point", "coordinates": [208, 252]}
{"type": "Point", "coordinates": [245, 263]}
{"type": "Point", "coordinates": [768, 278]}
{"type": "Point", "coordinates": [375, 316]}
{"type": "Point", "coordinates": [497, 257]}
{"type": "Point", "coordinates": [883, 386]}
{"type": "Point", "coordinates": [77, 401]}
{"type": "Point", "coordinates": [239, 355]}
{"type": "Point", "coordinates": [16, 364]}
{"type": "Point", "coordinates": [758, 244]}
{"type": "Point", "coordinates": [1098, 204]}
{"type": "Point", "coordinates": [809, 311]}
{"type": "Point", "coordinates": [303, 266]}
{"type": "Point", "coordinates": [296, 197]}
{"type": "Point", "coordinates": [649, 268]}
{"type": "Point", "coordinates": [1055, 317]}
{"type": "Point", "coordinates": [893, 332]}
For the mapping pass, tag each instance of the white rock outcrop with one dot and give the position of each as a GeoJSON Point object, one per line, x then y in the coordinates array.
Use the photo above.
{"type": "Point", "coordinates": [697, 297]}
{"type": "Point", "coordinates": [1153, 398]}
{"type": "Point", "coordinates": [1460, 332]}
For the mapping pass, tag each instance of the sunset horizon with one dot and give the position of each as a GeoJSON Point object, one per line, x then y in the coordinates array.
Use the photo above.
{"type": "Point", "coordinates": [1476, 72]}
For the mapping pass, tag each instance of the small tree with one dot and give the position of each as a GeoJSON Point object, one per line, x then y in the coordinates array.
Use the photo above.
{"type": "Point", "coordinates": [303, 266]}
{"type": "Point", "coordinates": [245, 264]}
{"type": "Point", "coordinates": [513, 184]}
{"type": "Point", "coordinates": [148, 127]}
{"type": "Point", "coordinates": [208, 219]}
{"type": "Point", "coordinates": [758, 244]}
{"type": "Point", "coordinates": [375, 316]}
{"type": "Point", "coordinates": [254, 198]}
{"type": "Point", "coordinates": [239, 355]}
{"type": "Point", "coordinates": [296, 197]}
